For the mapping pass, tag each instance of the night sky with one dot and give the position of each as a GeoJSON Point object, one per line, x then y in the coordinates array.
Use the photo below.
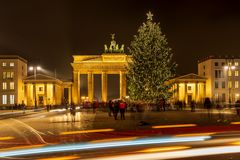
{"type": "Point", "coordinates": [49, 32]}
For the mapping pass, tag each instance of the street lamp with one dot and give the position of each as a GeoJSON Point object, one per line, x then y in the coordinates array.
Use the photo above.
{"type": "Point", "coordinates": [35, 69]}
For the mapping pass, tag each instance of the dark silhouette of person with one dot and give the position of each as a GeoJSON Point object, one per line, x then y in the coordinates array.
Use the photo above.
{"type": "Point", "coordinates": [208, 106]}
{"type": "Point", "coordinates": [116, 109]}
{"type": "Point", "coordinates": [122, 107]}
{"type": "Point", "coordinates": [73, 112]}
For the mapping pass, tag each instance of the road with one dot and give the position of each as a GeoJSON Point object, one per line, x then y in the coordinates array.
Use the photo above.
{"type": "Point", "coordinates": [97, 136]}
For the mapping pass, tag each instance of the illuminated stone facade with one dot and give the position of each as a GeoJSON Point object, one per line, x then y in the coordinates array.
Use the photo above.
{"type": "Point", "coordinates": [189, 87]}
{"type": "Point", "coordinates": [46, 90]}
{"type": "Point", "coordinates": [107, 63]}
{"type": "Point", "coordinates": [222, 73]}
{"type": "Point", "coordinates": [12, 71]}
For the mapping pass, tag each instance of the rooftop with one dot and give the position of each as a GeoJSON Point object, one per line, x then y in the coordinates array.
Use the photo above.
{"type": "Point", "coordinates": [13, 57]}
{"type": "Point", "coordinates": [218, 57]}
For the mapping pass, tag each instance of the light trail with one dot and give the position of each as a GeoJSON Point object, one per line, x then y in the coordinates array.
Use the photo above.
{"type": "Point", "coordinates": [177, 154]}
{"type": "Point", "coordinates": [175, 126]}
{"type": "Point", "coordinates": [235, 123]}
{"type": "Point", "coordinates": [6, 138]}
{"type": "Point", "coordinates": [86, 131]}
{"type": "Point", "coordinates": [164, 149]}
{"type": "Point", "coordinates": [61, 158]}
{"type": "Point", "coordinates": [84, 146]}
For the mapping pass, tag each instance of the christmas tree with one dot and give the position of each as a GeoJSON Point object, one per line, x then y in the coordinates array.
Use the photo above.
{"type": "Point", "coordinates": [151, 66]}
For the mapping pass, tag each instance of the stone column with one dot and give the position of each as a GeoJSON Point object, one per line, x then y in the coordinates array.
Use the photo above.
{"type": "Point", "coordinates": [185, 94]}
{"type": "Point", "coordinates": [90, 86]}
{"type": "Point", "coordinates": [196, 92]}
{"type": "Point", "coordinates": [45, 94]}
{"type": "Point", "coordinates": [122, 84]}
{"type": "Point", "coordinates": [104, 86]}
{"type": "Point", "coordinates": [54, 95]}
{"type": "Point", "coordinates": [76, 88]}
{"type": "Point", "coordinates": [69, 95]}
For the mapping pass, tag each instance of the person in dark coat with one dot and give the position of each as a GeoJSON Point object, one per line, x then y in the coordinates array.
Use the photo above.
{"type": "Point", "coordinates": [116, 109]}
{"type": "Point", "coordinates": [122, 107]}
{"type": "Point", "coordinates": [73, 112]}
{"type": "Point", "coordinates": [110, 108]}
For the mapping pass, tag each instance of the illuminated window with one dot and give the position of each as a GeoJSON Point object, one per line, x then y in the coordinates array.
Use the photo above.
{"type": "Point", "coordinates": [4, 64]}
{"type": "Point", "coordinates": [236, 84]}
{"type": "Point", "coordinates": [4, 85]}
{"type": "Point", "coordinates": [236, 63]}
{"type": "Point", "coordinates": [4, 75]}
{"type": "Point", "coordinates": [11, 64]}
{"type": "Point", "coordinates": [12, 75]}
{"type": "Point", "coordinates": [11, 85]}
{"type": "Point", "coordinates": [4, 99]}
{"type": "Point", "coordinates": [229, 84]}
{"type": "Point", "coordinates": [11, 99]}
{"type": "Point", "coordinates": [229, 73]}
{"type": "Point", "coordinates": [236, 73]}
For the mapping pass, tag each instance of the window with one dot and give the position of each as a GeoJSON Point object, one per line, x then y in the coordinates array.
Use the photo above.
{"type": "Point", "coordinates": [203, 73]}
{"type": "Point", "coordinates": [223, 84]}
{"type": "Point", "coordinates": [4, 64]}
{"type": "Point", "coordinates": [8, 74]}
{"type": "Point", "coordinates": [4, 99]}
{"type": "Point", "coordinates": [11, 64]}
{"type": "Point", "coordinates": [218, 74]}
{"type": "Point", "coordinates": [203, 66]}
{"type": "Point", "coordinates": [4, 75]}
{"type": "Point", "coordinates": [11, 99]}
{"type": "Point", "coordinates": [236, 73]}
{"type": "Point", "coordinates": [11, 74]}
{"type": "Point", "coordinates": [216, 84]}
{"type": "Point", "coordinates": [229, 73]}
{"type": "Point", "coordinates": [216, 63]}
{"type": "Point", "coordinates": [229, 84]}
{"type": "Point", "coordinates": [40, 88]}
{"type": "Point", "coordinates": [11, 85]}
{"type": "Point", "coordinates": [236, 63]}
{"type": "Point", "coordinates": [223, 64]}
{"type": "Point", "coordinates": [4, 85]}
{"type": "Point", "coordinates": [236, 84]}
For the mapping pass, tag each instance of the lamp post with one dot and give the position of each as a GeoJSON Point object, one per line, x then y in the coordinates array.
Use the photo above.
{"type": "Point", "coordinates": [230, 67]}
{"type": "Point", "coordinates": [35, 69]}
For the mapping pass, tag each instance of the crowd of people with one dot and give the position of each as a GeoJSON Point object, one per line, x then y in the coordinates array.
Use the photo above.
{"type": "Point", "coordinates": [116, 106]}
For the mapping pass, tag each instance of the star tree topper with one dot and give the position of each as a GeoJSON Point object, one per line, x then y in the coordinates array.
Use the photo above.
{"type": "Point", "coordinates": [149, 16]}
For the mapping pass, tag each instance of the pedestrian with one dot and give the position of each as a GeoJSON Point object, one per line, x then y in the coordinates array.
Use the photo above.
{"type": "Point", "coordinates": [110, 108]}
{"type": "Point", "coordinates": [116, 109]}
{"type": "Point", "coordinates": [122, 107]}
{"type": "Point", "coordinates": [208, 106]}
{"type": "Point", "coordinates": [180, 104]}
{"type": "Point", "coordinates": [237, 106]}
{"type": "Point", "coordinates": [73, 112]}
{"type": "Point", "coordinates": [193, 104]}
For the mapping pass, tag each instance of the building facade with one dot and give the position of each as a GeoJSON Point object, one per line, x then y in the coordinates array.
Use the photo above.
{"type": "Point", "coordinates": [113, 62]}
{"type": "Point", "coordinates": [190, 87]}
{"type": "Point", "coordinates": [222, 73]}
{"type": "Point", "coordinates": [13, 70]}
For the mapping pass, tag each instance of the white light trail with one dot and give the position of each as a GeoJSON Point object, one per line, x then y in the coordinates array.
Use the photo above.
{"type": "Point", "coordinates": [84, 146]}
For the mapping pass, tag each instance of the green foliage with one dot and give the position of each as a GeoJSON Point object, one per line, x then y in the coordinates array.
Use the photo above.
{"type": "Point", "coordinates": [151, 67]}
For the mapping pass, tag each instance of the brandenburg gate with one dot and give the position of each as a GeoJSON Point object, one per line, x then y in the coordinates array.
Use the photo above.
{"type": "Point", "coordinates": [112, 61]}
